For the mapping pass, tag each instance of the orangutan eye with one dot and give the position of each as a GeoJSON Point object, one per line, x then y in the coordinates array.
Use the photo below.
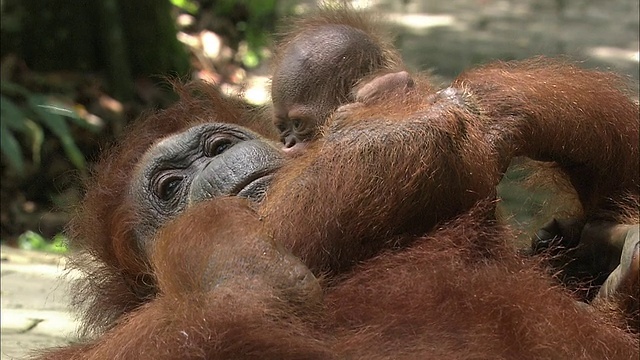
{"type": "Point", "coordinates": [168, 187]}
{"type": "Point", "coordinates": [297, 123]}
{"type": "Point", "coordinates": [281, 126]}
{"type": "Point", "coordinates": [217, 146]}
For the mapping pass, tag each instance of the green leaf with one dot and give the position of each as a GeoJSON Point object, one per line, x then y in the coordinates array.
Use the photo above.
{"type": "Point", "coordinates": [262, 8]}
{"type": "Point", "coordinates": [58, 245]}
{"type": "Point", "coordinates": [14, 89]}
{"type": "Point", "coordinates": [15, 119]}
{"type": "Point", "coordinates": [11, 148]}
{"type": "Point", "coordinates": [58, 127]}
{"type": "Point", "coordinates": [57, 107]}
{"type": "Point", "coordinates": [251, 59]}
{"type": "Point", "coordinates": [11, 115]}
{"type": "Point", "coordinates": [30, 240]}
{"type": "Point", "coordinates": [37, 139]}
{"type": "Point", "coordinates": [186, 5]}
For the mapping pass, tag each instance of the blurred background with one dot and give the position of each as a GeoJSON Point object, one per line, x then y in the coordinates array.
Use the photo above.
{"type": "Point", "coordinates": [74, 73]}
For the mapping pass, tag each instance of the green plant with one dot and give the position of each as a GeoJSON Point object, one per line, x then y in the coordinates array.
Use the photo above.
{"type": "Point", "coordinates": [254, 27]}
{"type": "Point", "coordinates": [189, 6]}
{"type": "Point", "coordinates": [28, 114]}
{"type": "Point", "coordinates": [30, 240]}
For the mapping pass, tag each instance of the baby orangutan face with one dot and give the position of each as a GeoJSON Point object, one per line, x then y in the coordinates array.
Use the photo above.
{"type": "Point", "coordinates": [315, 73]}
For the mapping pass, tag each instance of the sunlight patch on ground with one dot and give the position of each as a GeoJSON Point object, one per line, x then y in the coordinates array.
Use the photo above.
{"type": "Point", "coordinates": [46, 322]}
{"type": "Point", "coordinates": [614, 54]}
{"type": "Point", "coordinates": [421, 21]}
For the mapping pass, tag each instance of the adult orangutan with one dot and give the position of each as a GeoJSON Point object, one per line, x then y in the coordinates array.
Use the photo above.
{"type": "Point", "coordinates": [391, 208]}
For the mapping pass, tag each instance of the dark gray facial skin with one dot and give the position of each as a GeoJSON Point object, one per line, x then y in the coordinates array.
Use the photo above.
{"type": "Point", "coordinates": [203, 162]}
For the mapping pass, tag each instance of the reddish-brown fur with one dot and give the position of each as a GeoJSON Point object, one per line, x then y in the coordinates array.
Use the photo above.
{"type": "Point", "coordinates": [447, 297]}
{"type": "Point", "coordinates": [394, 206]}
{"type": "Point", "coordinates": [102, 230]}
{"type": "Point", "coordinates": [184, 321]}
{"type": "Point", "coordinates": [466, 297]}
{"type": "Point", "coordinates": [459, 154]}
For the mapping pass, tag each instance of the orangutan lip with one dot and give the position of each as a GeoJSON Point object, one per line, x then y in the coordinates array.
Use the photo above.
{"type": "Point", "coordinates": [253, 185]}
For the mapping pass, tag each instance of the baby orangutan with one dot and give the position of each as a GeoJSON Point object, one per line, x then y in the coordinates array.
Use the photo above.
{"type": "Point", "coordinates": [318, 68]}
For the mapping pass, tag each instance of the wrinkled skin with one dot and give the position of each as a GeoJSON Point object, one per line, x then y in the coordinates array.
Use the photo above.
{"type": "Point", "coordinates": [211, 161]}
{"type": "Point", "coordinates": [206, 161]}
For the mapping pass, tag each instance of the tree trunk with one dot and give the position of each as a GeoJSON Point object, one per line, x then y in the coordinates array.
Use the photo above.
{"type": "Point", "coordinates": [124, 39]}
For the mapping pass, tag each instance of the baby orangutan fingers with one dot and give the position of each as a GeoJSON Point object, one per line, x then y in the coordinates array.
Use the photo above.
{"type": "Point", "coordinates": [627, 273]}
{"type": "Point", "coordinates": [620, 293]}
{"type": "Point", "coordinates": [375, 90]}
{"type": "Point", "coordinates": [383, 86]}
{"type": "Point", "coordinates": [594, 250]}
